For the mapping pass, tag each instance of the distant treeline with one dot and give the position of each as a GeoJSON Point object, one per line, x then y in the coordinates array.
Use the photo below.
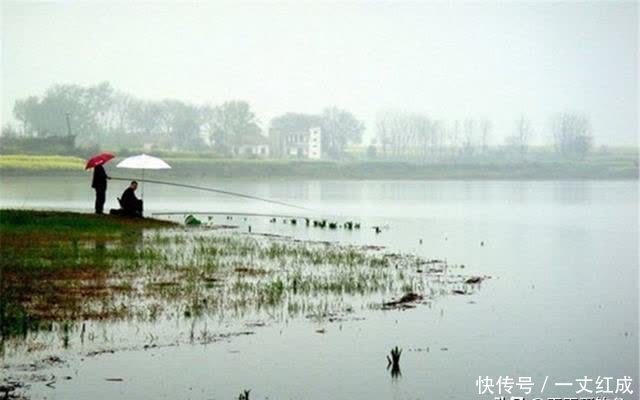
{"type": "Point", "coordinates": [405, 136]}
{"type": "Point", "coordinates": [60, 145]}
{"type": "Point", "coordinates": [100, 116]}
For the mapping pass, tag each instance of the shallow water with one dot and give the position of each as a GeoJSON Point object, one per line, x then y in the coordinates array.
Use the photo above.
{"type": "Point", "coordinates": [563, 301]}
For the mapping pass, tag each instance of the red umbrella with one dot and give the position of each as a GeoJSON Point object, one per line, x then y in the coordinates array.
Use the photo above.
{"type": "Point", "coordinates": [99, 159]}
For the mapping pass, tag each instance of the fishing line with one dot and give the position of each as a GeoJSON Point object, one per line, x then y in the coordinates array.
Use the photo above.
{"type": "Point", "coordinates": [239, 214]}
{"type": "Point", "coordinates": [246, 196]}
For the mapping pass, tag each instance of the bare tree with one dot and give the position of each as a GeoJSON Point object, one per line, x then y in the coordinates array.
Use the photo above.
{"type": "Point", "coordinates": [407, 135]}
{"type": "Point", "coordinates": [486, 127]}
{"type": "Point", "coordinates": [469, 136]}
{"type": "Point", "coordinates": [454, 137]}
{"type": "Point", "coordinates": [228, 123]}
{"type": "Point", "coordinates": [519, 141]}
{"type": "Point", "coordinates": [339, 128]}
{"type": "Point", "coordinates": [571, 134]}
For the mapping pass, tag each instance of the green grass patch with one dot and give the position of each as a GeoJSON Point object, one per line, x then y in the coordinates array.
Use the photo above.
{"type": "Point", "coordinates": [56, 222]}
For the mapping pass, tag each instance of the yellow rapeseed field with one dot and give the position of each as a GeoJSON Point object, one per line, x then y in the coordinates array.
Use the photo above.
{"type": "Point", "coordinates": [35, 162]}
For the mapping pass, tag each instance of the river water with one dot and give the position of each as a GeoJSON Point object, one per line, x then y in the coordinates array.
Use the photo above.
{"type": "Point", "coordinates": [562, 303]}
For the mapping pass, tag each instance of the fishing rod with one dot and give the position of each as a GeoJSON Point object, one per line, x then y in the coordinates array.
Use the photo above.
{"type": "Point", "coordinates": [239, 214]}
{"type": "Point", "coordinates": [229, 193]}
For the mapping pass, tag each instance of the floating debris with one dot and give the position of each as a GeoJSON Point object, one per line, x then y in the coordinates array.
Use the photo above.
{"type": "Point", "coordinates": [53, 360]}
{"type": "Point", "coordinates": [403, 302]}
{"type": "Point", "coordinates": [99, 352]}
{"type": "Point", "coordinates": [372, 247]}
{"type": "Point", "coordinates": [474, 280]}
{"type": "Point", "coordinates": [190, 220]}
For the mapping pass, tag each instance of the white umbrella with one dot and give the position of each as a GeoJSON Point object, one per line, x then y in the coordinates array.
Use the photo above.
{"type": "Point", "coordinates": [143, 162]}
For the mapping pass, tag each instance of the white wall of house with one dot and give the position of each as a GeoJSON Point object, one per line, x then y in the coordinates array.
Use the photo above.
{"type": "Point", "coordinates": [315, 144]}
{"type": "Point", "coordinates": [304, 145]}
{"type": "Point", "coordinates": [258, 150]}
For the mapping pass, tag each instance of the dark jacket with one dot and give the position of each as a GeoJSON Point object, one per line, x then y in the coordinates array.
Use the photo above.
{"type": "Point", "coordinates": [99, 178]}
{"type": "Point", "coordinates": [129, 201]}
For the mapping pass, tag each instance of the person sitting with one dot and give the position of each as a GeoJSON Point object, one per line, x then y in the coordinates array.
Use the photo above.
{"type": "Point", "coordinates": [129, 203]}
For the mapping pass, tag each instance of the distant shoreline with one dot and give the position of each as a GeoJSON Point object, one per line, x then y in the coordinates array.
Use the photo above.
{"type": "Point", "coordinates": [612, 168]}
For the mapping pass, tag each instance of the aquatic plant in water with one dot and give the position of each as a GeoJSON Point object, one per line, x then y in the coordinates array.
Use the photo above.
{"type": "Point", "coordinates": [199, 274]}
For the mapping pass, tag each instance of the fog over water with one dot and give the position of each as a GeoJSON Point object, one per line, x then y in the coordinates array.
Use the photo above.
{"type": "Point", "coordinates": [449, 61]}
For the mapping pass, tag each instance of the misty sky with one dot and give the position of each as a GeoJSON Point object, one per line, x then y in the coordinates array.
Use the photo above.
{"type": "Point", "coordinates": [483, 59]}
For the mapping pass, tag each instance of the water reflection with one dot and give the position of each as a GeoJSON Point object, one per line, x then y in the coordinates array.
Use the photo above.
{"type": "Point", "coordinates": [396, 372]}
{"type": "Point", "coordinates": [571, 192]}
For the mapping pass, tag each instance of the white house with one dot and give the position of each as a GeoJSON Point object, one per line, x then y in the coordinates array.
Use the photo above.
{"type": "Point", "coordinates": [252, 146]}
{"type": "Point", "coordinates": [303, 144]}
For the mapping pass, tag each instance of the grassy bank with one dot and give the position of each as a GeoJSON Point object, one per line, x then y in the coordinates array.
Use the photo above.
{"type": "Point", "coordinates": [32, 223]}
{"type": "Point", "coordinates": [613, 166]}
{"type": "Point", "coordinates": [45, 255]}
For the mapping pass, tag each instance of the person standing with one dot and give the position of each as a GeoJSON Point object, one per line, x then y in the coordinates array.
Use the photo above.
{"type": "Point", "coordinates": [99, 184]}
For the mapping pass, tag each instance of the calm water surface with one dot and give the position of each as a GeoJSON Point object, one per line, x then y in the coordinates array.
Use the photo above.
{"type": "Point", "coordinates": [562, 301]}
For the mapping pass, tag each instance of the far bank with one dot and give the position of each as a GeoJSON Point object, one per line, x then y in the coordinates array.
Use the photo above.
{"type": "Point", "coordinates": [596, 167]}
